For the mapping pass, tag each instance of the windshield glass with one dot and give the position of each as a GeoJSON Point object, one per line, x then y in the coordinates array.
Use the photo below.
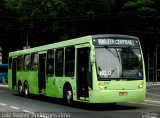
{"type": "Point", "coordinates": [121, 62]}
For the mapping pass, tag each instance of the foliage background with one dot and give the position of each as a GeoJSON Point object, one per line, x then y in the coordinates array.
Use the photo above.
{"type": "Point", "coordinates": [39, 22]}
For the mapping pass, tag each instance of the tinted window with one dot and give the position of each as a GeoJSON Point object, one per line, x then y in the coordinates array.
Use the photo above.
{"type": "Point", "coordinates": [27, 61]}
{"type": "Point", "coordinates": [69, 61]}
{"type": "Point", "coordinates": [50, 63]}
{"type": "Point", "coordinates": [34, 61]}
{"type": "Point", "coordinates": [20, 63]}
{"type": "Point", "coordinates": [59, 62]}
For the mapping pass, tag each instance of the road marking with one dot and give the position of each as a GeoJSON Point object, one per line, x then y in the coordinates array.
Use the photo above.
{"type": "Point", "coordinates": [154, 84]}
{"type": "Point", "coordinates": [153, 88]}
{"type": "Point", "coordinates": [3, 104]}
{"type": "Point", "coordinates": [155, 101]}
{"type": "Point", "coordinates": [147, 104]}
{"type": "Point", "coordinates": [153, 94]}
{"type": "Point", "coordinates": [14, 107]}
{"type": "Point", "coordinates": [27, 111]}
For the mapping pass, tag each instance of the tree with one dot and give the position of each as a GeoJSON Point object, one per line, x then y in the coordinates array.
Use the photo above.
{"type": "Point", "coordinates": [141, 5]}
{"type": "Point", "coordinates": [62, 18]}
{"type": "Point", "coordinates": [147, 12]}
{"type": "Point", "coordinates": [143, 20]}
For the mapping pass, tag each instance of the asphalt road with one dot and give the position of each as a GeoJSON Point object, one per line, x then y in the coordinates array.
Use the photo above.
{"type": "Point", "coordinates": [12, 105]}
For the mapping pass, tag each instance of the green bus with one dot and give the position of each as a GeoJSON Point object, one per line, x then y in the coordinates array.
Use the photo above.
{"type": "Point", "coordinates": [103, 68]}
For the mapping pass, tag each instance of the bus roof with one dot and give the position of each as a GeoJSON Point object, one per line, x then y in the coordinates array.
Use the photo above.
{"type": "Point", "coordinates": [75, 41]}
{"type": "Point", "coordinates": [81, 40]}
{"type": "Point", "coordinates": [114, 35]}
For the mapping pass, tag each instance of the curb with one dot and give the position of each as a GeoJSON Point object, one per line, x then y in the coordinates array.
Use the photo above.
{"type": "Point", "coordinates": [152, 84]}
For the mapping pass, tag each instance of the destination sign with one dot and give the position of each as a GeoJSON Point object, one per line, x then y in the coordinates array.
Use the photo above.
{"type": "Point", "coordinates": [109, 41]}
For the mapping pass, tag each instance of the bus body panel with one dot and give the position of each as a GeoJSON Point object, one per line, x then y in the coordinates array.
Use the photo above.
{"type": "Point", "coordinates": [120, 85]}
{"type": "Point", "coordinates": [31, 78]}
{"type": "Point", "coordinates": [112, 96]}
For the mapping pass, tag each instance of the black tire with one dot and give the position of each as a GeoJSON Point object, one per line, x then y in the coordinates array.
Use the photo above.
{"type": "Point", "coordinates": [26, 90]}
{"type": "Point", "coordinates": [20, 89]}
{"type": "Point", "coordinates": [68, 96]}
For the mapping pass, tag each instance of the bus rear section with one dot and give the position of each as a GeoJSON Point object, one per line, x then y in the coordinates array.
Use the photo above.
{"type": "Point", "coordinates": [118, 71]}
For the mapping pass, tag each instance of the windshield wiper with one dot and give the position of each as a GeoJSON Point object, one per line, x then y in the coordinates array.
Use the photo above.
{"type": "Point", "coordinates": [112, 72]}
{"type": "Point", "coordinates": [99, 69]}
{"type": "Point", "coordinates": [118, 56]}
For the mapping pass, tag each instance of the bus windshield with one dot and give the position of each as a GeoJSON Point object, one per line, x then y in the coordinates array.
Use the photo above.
{"type": "Point", "coordinates": [118, 63]}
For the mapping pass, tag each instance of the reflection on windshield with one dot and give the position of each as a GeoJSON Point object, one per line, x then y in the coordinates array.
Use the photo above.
{"type": "Point", "coordinates": [118, 62]}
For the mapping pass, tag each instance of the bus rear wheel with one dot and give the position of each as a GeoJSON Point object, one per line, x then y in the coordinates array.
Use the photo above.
{"type": "Point", "coordinates": [26, 90]}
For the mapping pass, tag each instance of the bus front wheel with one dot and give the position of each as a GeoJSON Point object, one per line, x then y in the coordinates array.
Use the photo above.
{"type": "Point", "coordinates": [68, 96]}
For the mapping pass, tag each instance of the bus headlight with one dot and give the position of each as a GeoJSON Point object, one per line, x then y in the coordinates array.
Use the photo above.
{"type": "Point", "coordinates": [101, 85]}
{"type": "Point", "coordinates": [141, 85]}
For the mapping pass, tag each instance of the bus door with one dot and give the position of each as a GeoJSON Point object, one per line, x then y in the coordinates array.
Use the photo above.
{"type": "Point", "coordinates": [14, 71]}
{"type": "Point", "coordinates": [42, 72]}
{"type": "Point", "coordinates": [82, 72]}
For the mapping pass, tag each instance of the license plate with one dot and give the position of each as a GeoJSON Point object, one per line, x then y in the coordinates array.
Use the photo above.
{"type": "Point", "coordinates": [123, 93]}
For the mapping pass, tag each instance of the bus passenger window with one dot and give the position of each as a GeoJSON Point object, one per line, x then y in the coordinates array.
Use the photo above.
{"type": "Point", "coordinates": [69, 61]}
{"type": "Point", "coordinates": [34, 61]}
{"type": "Point", "coordinates": [50, 63]}
{"type": "Point", "coordinates": [27, 61]}
{"type": "Point", "coordinates": [20, 63]}
{"type": "Point", "coordinates": [59, 62]}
